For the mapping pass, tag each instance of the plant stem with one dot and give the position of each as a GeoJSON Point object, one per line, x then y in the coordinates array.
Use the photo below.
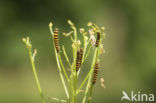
{"type": "Point", "coordinates": [90, 94]}
{"type": "Point", "coordinates": [60, 73]}
{"type": "Point", "coordinates": [35, 75]}
{"type": "Point", "coordinates": [70, 88]}
{"type": "Point", "coordinates": [84, 45]}
{"type": "Point", "coordinates": [65, 54]}
{"type": "Point", "coordinates": [84, 81]}
{"type": "Point", "coordinates": [58, 64]}
{"type": "Point", "coordinates": [73, 68]}
{"type": "Point", "coordinates": [90, 75]}
{"type": "Point", "coordinates": [65, 73]}
{"type": "Point", "coordinates": [85, 57]}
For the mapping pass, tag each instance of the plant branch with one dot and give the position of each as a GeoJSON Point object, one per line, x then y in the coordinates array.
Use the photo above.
{"type": "Point", "coordinates": [32, 57]}
{"type": "Point", "coordinates": [65, 54]}
{"type": "Point", "coordinates": [91, 71]}
{"type": "Point", "coordinates": [58, 64]}
{"type": "Point", "coordinates": [65, 73]}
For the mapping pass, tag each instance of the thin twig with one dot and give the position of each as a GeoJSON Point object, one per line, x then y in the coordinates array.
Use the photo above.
{"type": "Point", "coordinates": [65, 54]}
{"type": "Point", "coordinates": [58, 64]}
{"type": "Point", "coordinates": [32, 57]}
{"type": "Point", "coordinates": [65, 73]}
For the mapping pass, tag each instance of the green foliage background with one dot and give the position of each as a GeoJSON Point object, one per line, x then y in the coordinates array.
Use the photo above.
{"type": "Point", "coordinates": [128, 64]}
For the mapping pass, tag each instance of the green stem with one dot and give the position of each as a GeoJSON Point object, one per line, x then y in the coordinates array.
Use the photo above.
{"type": "Point", "coordinates": [35, 75]}
{"type": "Point", "coordinates": [88, 52]}
{"type": "Point", "coordinates": [74, 74]}
{"type": "Point", "coordinates": [65, 73]}
{"type": "Point", "coordinates": [84, 46]}
{"type": "Point", "coordinates": [85, 55]}
{"type": "Point", "coordinates": [65, 54]}
{"type": "Point", "coordinates": [58, 64]}
{"type": "Point", "coordinates": [74, 92]}
{"type": "Point", "coordinates": [90, 75]}
{"type": "Point", "coordinates": [70, 88]}
{"type": "Point", "coordinates": [91, 92]}
{"type": "Point", "coordinates": [84, 52]}
{"type": "Point", "coordinates": [60, 73]}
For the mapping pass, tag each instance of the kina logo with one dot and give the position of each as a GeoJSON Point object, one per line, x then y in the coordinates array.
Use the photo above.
{"type": "Point", "coordinates": [134, 97]}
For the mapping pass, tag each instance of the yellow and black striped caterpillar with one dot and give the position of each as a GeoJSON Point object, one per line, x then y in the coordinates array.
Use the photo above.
{"type": "Point", "coordinates": [95, 74]}
{"type": "Point", "coordinates": [97, 39]}
{"type": "Point", "coordinates": [81, 55]}
{"type": "Point", "coordinates": [79, 59]}
{"type": "Point", "coordinates": [56, 40]}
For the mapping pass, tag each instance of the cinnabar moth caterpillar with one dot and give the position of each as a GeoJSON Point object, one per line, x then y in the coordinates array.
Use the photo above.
{"type": "Point", "coordinates": [95, 74]}
{"type": "Point", "coordinates": [79, 59]}
{"type": "Point", "coordinates": [97, 39]}
{"type": "Point", "coordinates": [56, 40]}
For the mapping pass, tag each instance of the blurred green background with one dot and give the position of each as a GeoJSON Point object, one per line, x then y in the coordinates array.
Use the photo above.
{"type": "Point", "coordinates": [128, 64]}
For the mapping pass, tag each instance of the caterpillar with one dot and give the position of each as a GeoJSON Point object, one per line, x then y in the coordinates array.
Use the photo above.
{"type": "Point", "coordinates": [79, 59]}
{"type": "Point", "coordinates": [95, 74]}
{"type": "Point", "coordinates": [56, 40]}
{"type": "Point", "coordinates": [81, 55]}
{"type": "Point", "coordinates": [97, 39]}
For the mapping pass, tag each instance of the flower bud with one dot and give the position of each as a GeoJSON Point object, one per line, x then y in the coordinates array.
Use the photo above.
{"type": "Point", "coordinates": [102, 50]}
{"type": "Point", "coordinates": [50, 24]}
{"type": "Point", "coordinates": [73, 45]}
{"type": "Point", "coordinates": [86, 38]}
{"type": "Point", "coordinates": [24, 40]}
{"type": "Point", "coordinates": [65, 34]}
{"type": "Point", "coordinates": [78, 42]}
{"type": "Point", "coordinates": [70, 23]}
{"type": "Point", "coordinates": [82, 30]}
{"type": "Point", "coordinates": [90, 23]}
{"type": "Point", "coordinates": [103, 28]}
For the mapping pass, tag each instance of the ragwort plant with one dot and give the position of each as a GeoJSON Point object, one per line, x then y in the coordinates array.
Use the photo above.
{"type": "Point", "coordinates": [81, 50]}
